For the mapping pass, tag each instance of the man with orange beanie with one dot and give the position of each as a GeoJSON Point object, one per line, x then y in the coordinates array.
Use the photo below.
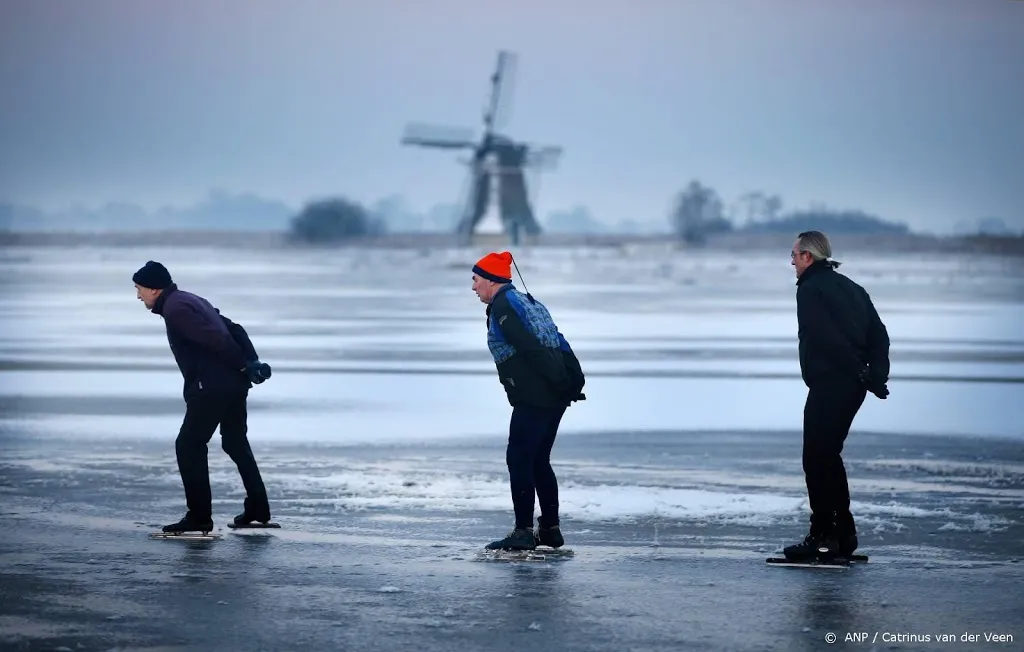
{"type": "Point", "coordinates": [541, 377]}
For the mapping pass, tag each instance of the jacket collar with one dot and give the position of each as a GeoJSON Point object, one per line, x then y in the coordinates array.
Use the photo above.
{"type": "Point", "coordinates": [817, 267]}
{"type": "Point", "coordinates": [504, 288]}
{"type": "Point", "coordinates": [158, 307]}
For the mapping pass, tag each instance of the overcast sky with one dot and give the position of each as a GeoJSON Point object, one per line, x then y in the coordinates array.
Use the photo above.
{"type": "Point", "coordinates": [910, 109]}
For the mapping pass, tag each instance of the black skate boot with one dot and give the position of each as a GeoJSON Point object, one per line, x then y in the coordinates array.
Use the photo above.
{"type": "Point", "coordinates": [518, 539]}
{"type": "Point", "coordinates": [549, 536]}
{"type": "Point", "coordinates": [190, 524]}
{"type": "Point", "coordinates": [845, 535]}
{"type": "Point", "coordinates": [815, 546]}
{"type": "Point", "coordinates": [248, 518]}
{"type": "Point", "coordinates": [847, 545]}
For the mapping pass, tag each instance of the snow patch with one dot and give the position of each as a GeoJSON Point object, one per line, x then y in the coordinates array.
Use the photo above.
{"type": "Point", "coordinates": [408, 489]}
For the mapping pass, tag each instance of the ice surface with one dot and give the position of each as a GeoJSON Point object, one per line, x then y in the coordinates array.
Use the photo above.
{"type": "Point", "coordinates": [428, 488]}
{"type": "Point", "coordinates": [363, 357]}
{"type": "Point", "coordinates": [397, 407]}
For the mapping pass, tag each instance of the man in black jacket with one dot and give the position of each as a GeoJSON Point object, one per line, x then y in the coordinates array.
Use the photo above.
{"type": "Point", "coordinates": [844, 353]}
{"type": "Point", "coordinates": [219, 365]}
{"type": "Point", "coordinates": [542, 377]}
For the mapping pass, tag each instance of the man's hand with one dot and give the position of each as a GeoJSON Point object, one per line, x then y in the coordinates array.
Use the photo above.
{"type": "Point", "coordinates": [879, 389]}
{"type": "Point", "coordinates": [257, 371]}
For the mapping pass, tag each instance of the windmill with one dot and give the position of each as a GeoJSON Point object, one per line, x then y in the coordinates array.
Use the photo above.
{"type": "Point", "coordinates": [497, 165]}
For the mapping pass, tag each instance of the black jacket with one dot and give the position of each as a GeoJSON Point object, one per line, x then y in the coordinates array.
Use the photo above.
{"type": "Point", "coordinates": [546, 375]}
{"type": "Point", "coordinates": [839, 329]}
{"type": "Point", "coordinates": [210, 349]}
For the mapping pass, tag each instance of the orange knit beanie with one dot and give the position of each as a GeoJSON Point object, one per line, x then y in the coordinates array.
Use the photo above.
{"type": "Point", "coordinates": [495, 267]}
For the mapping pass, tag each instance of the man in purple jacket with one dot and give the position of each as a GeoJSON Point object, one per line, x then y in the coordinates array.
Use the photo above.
{"type": "Point", "coordinates": [219, 364]}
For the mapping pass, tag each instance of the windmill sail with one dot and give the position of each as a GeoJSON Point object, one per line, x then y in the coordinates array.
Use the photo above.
{"type": "Point", "coordinates": [502, 81]}
{"type": "Point", "coordinates": [440, 137]}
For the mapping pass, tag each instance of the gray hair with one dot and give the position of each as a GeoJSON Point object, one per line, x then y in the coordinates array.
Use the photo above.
{"type": "Point", "coordinates": [816, 243]}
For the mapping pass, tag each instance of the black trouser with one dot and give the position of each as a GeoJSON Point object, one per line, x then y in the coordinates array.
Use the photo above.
{"type": "Point", "coordinates": [828, 414]}
{"type": "Point", "coordinates": [531, 435]}
{"type": "Point", "coordinates": [202, 416]}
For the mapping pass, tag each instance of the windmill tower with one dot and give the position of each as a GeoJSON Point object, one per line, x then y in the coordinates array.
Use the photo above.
{"type": "Point", "coordinates": [497, 165]}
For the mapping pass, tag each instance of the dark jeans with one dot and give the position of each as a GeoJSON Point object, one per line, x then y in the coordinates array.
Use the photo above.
{"type": "Point", "coordinates": [202, 416]}
{"type": "Point", "coordinates": [532, 432]}
{"type": "Point", "coordinates": [831, 407]}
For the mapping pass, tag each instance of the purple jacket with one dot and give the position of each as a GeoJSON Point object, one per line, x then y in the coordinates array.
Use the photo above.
{"type": "Point", "coordinates": [210, 349]}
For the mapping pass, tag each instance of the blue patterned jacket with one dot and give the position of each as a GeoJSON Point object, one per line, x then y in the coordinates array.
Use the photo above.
{"type": "Point", "coordinates": [535, 363]}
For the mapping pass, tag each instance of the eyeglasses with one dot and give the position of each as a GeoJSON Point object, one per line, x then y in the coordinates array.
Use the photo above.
{"type": "Point", "coordinates": [794, 254]}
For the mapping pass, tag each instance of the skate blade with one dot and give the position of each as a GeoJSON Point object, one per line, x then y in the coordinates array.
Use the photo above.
{"type": "Point", "coordinates": [255, 526]}
{"type": "Point", "coordinates": [185, 536]}
{"type": "Point", "coordinates": [538, 554]}
{"type": "Point", "coordinates": [837, 562]}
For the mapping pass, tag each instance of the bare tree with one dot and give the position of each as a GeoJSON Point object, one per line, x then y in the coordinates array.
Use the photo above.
{"type": "Point", "coordinates": [760, 207]}
{"type": "Point", "coordinates": [698, 213]}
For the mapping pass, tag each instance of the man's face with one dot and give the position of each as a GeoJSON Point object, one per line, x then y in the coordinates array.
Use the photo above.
{"type": "Point", "coordinates": [801, 260]}
{"type": "Point", "coordinates": [484, 289]}
{"type": "Point", "coordinates": [147, 296]}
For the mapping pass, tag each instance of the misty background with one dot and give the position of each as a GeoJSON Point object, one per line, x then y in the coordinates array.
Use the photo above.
{"type": "Point", "coordinates": [205, 134]}
{"type": "Point", "coordinates": [230, 115]}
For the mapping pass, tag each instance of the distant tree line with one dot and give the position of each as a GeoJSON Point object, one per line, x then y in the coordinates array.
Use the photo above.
{"type": "Point", "coordinates": [699, 213]}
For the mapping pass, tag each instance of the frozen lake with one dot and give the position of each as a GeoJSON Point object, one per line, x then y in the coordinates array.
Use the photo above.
{"type": "Point", "coordinates": [392, 342]}
{"type": "Point", "coordinates": [383, 428]}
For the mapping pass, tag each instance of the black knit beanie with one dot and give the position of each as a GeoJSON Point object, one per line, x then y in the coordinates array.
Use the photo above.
{"type": "Point", "coordinates": [153, 275]}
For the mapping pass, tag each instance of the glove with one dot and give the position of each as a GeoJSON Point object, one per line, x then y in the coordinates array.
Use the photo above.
{"type": "Point", "coordinates": [257, 371]}
{"type": "Point", "coordinates": [879, 389]}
